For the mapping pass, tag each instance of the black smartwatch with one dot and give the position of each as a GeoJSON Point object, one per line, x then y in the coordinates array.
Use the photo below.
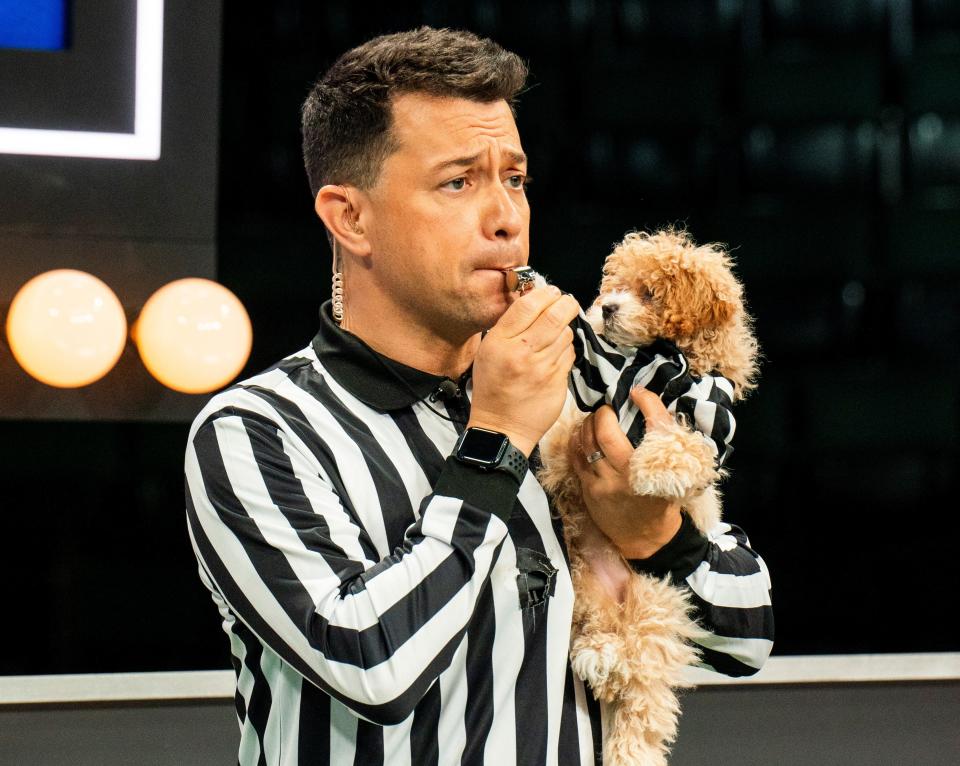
{"type": "Point", "coordinates": [490, 451]}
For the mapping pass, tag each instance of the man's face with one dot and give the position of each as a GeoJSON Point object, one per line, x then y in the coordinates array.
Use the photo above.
{"type": "Point", "coordinates": [449, 211]}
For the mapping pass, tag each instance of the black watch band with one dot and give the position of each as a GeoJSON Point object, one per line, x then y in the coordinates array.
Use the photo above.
{"type": "Point", "coordinates": [491, 451]}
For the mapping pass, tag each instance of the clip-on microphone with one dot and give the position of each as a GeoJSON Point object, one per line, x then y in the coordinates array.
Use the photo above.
{"type": "Point", "coordinates": [446, 391]}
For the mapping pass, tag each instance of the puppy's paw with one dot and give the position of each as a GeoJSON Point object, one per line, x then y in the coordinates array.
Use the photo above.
{"type": "Point", "coordinates": [672, 461]}
{"type": "Point", "coordinates": [704, 508]}
{"type": "Point", "coordinates": [597, 661]}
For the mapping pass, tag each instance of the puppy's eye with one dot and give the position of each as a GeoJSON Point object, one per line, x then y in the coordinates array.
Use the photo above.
{"type": "Point", "coordinates": [646, 295]}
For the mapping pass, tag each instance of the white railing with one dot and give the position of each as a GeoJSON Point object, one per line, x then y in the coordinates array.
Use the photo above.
{"type": "Point", "coordinates": [219, 684]}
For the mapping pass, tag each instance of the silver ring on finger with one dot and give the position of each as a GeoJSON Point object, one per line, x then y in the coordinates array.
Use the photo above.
{"type": "Point", "coordinates": [594, 457]}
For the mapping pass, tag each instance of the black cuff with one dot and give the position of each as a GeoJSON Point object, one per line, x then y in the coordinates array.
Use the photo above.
{"type": "Point", "coordinates": [679, 557]}
{"type": "Point", "coordinates": [493, 491]}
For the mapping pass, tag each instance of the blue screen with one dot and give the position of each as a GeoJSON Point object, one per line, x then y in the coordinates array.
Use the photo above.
{"type": "Point", "coordinates": [33, 24]}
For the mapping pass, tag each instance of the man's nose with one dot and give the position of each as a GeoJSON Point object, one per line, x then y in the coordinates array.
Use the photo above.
{"type": "Point", "coordinates": [503, 217]}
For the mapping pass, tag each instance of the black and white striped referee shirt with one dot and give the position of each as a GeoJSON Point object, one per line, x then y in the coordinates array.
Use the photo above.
{"type": "Point", "coordinates": [386, 604]}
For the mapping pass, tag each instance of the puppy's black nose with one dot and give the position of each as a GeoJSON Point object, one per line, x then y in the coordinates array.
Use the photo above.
{"type": "Point", "coordinates": [609, 309]}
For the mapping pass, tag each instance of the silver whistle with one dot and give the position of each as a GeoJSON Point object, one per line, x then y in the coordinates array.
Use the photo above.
{"type": "Point", "coordinates": [520, 279]}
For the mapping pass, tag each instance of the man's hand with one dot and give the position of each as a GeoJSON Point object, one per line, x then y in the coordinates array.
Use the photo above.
{"type": "Point", "coordinates": [521, 368]}
{"type": "Point", "coordinates": [638, 525]}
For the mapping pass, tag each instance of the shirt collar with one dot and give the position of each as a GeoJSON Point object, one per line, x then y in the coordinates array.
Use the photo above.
{"type": "Point", "coordinates": [373, 378]}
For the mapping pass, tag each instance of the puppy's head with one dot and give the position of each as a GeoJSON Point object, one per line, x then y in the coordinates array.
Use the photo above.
{"type": "Point", "coordinates": [663, 285]}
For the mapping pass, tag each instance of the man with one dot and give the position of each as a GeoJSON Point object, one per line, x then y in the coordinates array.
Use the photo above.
{"type": "Point", "coordinates": [389, 575]}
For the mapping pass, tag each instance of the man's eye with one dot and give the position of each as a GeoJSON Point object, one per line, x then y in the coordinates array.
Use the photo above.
{"type": "Point", "coordinates": [519, 181]}
{"type": "Point", "coordinates": [456, 184]}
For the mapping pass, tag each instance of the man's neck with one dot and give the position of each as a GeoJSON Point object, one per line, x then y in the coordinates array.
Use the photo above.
{"type": "Point", "coordinates": [406, 341]}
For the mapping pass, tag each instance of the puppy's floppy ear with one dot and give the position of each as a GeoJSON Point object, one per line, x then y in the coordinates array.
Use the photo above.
{"type": "Point", "coordinates": [719, 312]}
{"type": "Point", "coordinates": [725, 292]}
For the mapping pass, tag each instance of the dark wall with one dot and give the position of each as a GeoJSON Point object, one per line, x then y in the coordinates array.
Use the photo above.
{"type": "Point", "coordinates": [96, 571]}
{"type": "Point", "coordinates": [137, 224]}
{"type": "Point", "coordinates": [821, 140]}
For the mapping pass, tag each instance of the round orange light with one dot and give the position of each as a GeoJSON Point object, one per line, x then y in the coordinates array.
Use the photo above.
{"type": "Point", "coordinates": [66, 328]}
{"type": "Point", "coordinates": [193, 335]}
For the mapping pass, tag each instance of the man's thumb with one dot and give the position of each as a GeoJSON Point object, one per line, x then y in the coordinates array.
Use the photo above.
{"type": "Point", "coordinates": [650, 405]}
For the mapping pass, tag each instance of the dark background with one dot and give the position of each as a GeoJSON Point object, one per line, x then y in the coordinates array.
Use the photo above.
{"type": "Point", "coordinates": [135, 224]}
{"type": "Point", "coordinates": [819, 139]}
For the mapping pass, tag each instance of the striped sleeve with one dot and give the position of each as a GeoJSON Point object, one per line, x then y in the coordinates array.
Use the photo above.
{"type": "Point", "coordinates": [284, 553]}
{"type": "Point", "coordinates": [731, 592]}
{"type": "Point", "coordinates": [730, 589]}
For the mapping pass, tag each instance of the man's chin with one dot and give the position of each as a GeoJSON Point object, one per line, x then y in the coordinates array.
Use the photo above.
{"type": "Point", "coordinates": [484, 312]}
{"type": "Point", "coordinates": [494, 308]}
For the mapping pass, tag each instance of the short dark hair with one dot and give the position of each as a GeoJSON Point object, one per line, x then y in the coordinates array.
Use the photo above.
{"type": "Point", "coordinates": [346, 119]}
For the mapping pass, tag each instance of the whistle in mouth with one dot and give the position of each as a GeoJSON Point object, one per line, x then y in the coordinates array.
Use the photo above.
{"type": "Point", "coordinates": [520, 279]}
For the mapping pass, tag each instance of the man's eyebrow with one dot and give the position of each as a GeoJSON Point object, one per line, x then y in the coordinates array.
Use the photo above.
{"type": "Point", "coordinates": [518, 158]}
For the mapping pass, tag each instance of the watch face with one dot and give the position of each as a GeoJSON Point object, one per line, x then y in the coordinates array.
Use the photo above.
{"type": "Point", "coordinates": [482, 446]}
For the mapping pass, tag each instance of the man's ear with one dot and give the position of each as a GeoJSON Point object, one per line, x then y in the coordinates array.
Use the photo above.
{"type": "Point", "coordinates": [341, 210]}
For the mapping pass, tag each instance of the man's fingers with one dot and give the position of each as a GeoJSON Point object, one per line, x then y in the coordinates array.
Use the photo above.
{"type": "Point", "coordinates": [603, 454]}
{"type": "Point", "coordinates": [526, 309]}
{"type": "Point", "coordinates": [575, 452]}
{"type": "Point", "coordinates": [650, 406]}
{"type": "Point", "coordinates": [553, 321]}
{"type": "Point", "coordinates": [588, 442]}
{"type": "Point", "coordinates": [560, 346]}
{"type": "Point", "coordinates": [610, 438]}
{"type": "Point", "coordinates": [539, 316]}
{"type": "Point", "coordinates": [561, 313]}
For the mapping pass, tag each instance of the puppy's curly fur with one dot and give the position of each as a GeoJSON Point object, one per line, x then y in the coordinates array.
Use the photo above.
{"type": "Point", "coordinates": [663, 285]}
{"type": "Point", "coordinates": [632, 634]}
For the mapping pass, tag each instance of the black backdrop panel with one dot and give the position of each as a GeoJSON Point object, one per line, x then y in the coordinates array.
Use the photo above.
{"type": "Point", "coordinates": [87, 86]}
{"type": "Point", "coordinates": [136, 224]}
